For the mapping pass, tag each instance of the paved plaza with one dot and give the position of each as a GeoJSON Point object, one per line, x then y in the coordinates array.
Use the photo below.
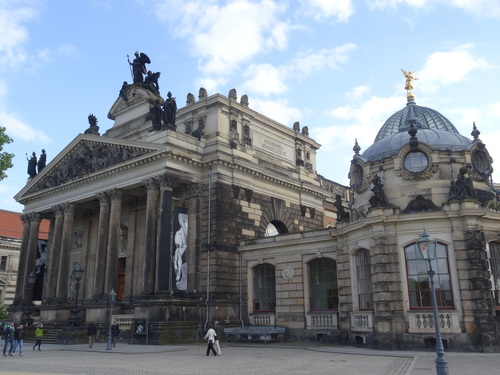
{"type": "Point", "coordinates": [237, 360]}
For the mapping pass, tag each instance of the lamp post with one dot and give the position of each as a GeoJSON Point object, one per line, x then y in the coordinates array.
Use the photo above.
{"type": "Point", "coordinates": [112, 297]}
{"type": "Point", "coordinates": [28, 309]}
{"type": "Point", "coordinates": [75, 311]}
{"type": "Point", "coordinates": [427, 247]}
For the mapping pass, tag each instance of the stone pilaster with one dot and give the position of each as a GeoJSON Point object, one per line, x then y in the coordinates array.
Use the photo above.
{"type": "Point", "coordinates": [194, 237]}
{"type": "Point", "coordinates": [102, 244]}
{"type": "Point", "coordinates": [21, 274]}
{"type": "Point", "coordinates": [54, 254]}
{"type": "Point", "coordinates": [163, 265]}
{"type": "Point", "coordinates": [65, 257]}
{"type": "Point", "coordinates": [149, 260]}
{"type": "Point", "coordinates": [31, 253]}
{"type": "Point", "coordinates": [113, 240]}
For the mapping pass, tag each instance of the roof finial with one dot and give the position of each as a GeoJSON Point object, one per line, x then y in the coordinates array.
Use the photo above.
{"type": "Point", "coordinates": [409, 83]}
{"type": "Point", "coordinates": [475, 132]}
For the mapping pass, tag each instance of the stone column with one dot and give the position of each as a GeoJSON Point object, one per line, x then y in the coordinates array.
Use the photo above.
{"type": "Point", "coordinates": [48, 250]}
{"type": "Point", "coordinates": [194, 233]}
{"type": "Point", "coordinates": [54, 253]}
{"type": "Point", "coordinates": [163, 264]}
{"type": "Point", "coordinates": [102, 244]}
{"type": "Point", "coordinates": [21, 273]}
{"type": "Point", "coordinates": [31, 254]}
{"type": "Point", "coordinates": [65, 256]}
{"type": "Point", "coordinates": [152, 188]}
{"type": "Point", "coordinates": [113, 240]}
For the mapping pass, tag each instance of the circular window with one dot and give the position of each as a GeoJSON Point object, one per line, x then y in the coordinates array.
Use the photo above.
{"type": "Point", "coordinates": [416, 161]}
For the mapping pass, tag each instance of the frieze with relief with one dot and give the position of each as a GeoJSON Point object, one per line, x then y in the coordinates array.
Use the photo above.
{"type": "Point", "coordinates": [85, 158]}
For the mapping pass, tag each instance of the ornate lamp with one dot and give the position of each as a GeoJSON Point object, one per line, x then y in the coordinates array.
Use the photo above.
{"type": "Point", "coordinates": [427, 246]}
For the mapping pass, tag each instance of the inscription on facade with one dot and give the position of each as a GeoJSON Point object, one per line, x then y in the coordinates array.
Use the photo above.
{"type": "Point", "coordinates": [273, 146]}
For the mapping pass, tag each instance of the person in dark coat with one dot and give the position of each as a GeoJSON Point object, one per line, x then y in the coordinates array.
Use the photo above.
{"type": "Point", "coordinates": [19, 339]}
{"type": "Point", "coordinates": [115, 332]}
{"type": "Point", "coordinates": [91, 333]}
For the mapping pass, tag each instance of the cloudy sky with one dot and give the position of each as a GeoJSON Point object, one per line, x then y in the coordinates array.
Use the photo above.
{"type": "Point", "coordinates": [333, 65]}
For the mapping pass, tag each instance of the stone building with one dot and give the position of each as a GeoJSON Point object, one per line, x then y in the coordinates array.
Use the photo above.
{"type": "Point", "coordinates": [156, 211]}
{"type": "Point", "coordinates": [364, 282]}
{"type": "Point", "coordinates": [11, 230]}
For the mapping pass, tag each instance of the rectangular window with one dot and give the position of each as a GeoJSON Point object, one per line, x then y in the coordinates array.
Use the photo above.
{"type": "Point", "coordinates": [364, 279]}
{"type": "Point", "coordinates": [3, 263]}
{"type": "Point", "coordinates": [324, 288]}
{"type": "Point", "coordinates": [495, 271]}
{"type": "Point", "coordinates": [419, 288]}
{"type": "Point", "coordinates": [264, 288]}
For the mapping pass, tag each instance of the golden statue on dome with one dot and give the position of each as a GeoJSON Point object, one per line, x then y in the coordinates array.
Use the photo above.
{"type": "Point", "coordinates": [409, 82]}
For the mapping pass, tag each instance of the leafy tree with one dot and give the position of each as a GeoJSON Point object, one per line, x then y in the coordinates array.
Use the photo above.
{"type": "Point", "coordinates": [5, 157]}
{"type": "Point", "coordinates": [3, 311]}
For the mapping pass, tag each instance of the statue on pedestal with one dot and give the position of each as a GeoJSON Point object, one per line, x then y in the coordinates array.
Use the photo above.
{"type": "Point", "coordinates": [138, 66]}
{"type": "Point", "coordinates": [169, 111]}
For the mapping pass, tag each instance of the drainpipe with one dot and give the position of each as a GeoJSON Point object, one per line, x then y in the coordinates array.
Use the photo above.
{"type": "Point", "coordinates": [241, 292]}
{"type": "Point", "coordinates": [209, 243]}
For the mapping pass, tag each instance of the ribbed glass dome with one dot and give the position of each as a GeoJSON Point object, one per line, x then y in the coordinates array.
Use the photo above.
{"type": "Point", "coordinates": [422, 117]}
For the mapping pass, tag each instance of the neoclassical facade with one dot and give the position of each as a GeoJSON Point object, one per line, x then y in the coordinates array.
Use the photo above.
{"type": "Point", "coordinates": [156, 211]}
{"type": "Point", "coordinates": [365, 282]}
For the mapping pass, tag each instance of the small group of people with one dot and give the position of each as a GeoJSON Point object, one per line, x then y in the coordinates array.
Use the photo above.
{"type": "Point", "coordinates": [92, 333]}
{"type": "Point", "coordinates": [14, 336]}
{"type": "Point", "coordinates": [214, 334]}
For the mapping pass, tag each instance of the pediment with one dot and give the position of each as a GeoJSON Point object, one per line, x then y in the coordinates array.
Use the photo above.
{"type": "Point", "coordinates": [87, 155]}
{"type": "Point", "coordinates": [132, 96]}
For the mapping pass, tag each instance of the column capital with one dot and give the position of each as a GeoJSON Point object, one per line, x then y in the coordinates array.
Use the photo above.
{"type": "Point", "coordinates": [151, 184]}
{"type": "Point", "coordinates": [167, 180]}
{"type": "Point", "coordinates": [34, 217]}
{"type": "Point", "coordinates": [115, 194]}
{"type": "Point", "coordinates": [58, 210]}
{"type": "Point", "coordinates": [103, 197]}
{"type": "Point", "coordinates": [69, 208]}
{"type": "Point", "coordinates": [195, 190]}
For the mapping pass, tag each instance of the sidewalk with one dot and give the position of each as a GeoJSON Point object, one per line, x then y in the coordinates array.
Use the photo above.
{"type": "Point", "coordinates": [239, 359]}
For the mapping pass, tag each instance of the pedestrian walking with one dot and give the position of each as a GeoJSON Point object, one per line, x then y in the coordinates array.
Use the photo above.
{"type": "Point", "coordinates": [38, 336]}
{"type": "Point", "coordinates": [115, 332]}
{"type": "Point", "coordinates": [91, 333]}
{"type": "Point", "coordinates": [219, 331]}
{"type": "Point", "coordinates": [19, 339]}
{"type": "Point", "coordinates": [211, 339]}
{"type": "Point", "coordinates": [8, 334]}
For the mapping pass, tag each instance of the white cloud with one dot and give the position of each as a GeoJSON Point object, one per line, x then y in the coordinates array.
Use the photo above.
{"type": "Point", "coordinates": [444, 68]}
{"type": "Point", "coordinates": [358, 93]}
{"type": "Point", "coordinates": [18, 130]}
{"type": "Point", "coordinates": [7, 191]}
{"type": "Point", "coordinates": [321, 9]}
{"type": "Point", "coordinates": [357, 121]}
{"type": "Point", "coordinates": [223, 36]}
{"type": "Point", "coordinates": [265, 79]}
{"type": "Point", "coordinates": [278, 110]}
{"type": "Point", "coordinates": [481, 8]}
{"type": "Point", "coordinates": [14, 33]}
{"type": "Point", "coordinates": [311, 61]}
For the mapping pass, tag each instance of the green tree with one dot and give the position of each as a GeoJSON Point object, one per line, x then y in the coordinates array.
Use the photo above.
{"type": "Point", "coordinates": [5, 157]}
{"type": "Point", "coordinates": [3, 311]}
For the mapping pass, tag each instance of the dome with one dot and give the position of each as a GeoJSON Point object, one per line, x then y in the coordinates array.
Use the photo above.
{"type": "Point", "coordinates": [423, 117]}
{"type": "Point", "coordinates": [437, 139]}
{"type": "Point", "coordinates": [433, 129]}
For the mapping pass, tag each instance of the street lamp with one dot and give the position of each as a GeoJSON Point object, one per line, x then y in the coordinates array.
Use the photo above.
{"type": "Point", "coordinates": [427, 247]}
{"type": "Point", "coordinates": [112, 297]}
{"type": "Point", "coordinates": [75, 311]}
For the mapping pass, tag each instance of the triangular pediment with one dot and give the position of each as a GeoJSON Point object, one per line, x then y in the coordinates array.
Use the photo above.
{"type": "Point", "coordinates": [87, 155]}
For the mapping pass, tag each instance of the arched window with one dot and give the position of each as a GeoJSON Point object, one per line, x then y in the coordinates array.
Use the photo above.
{"type": "Point", "coordinates": [264, 288]}
{"type": "Point", "coordinates": [275, 227]}
{"type": "Point", "coordinates": [364, 280]}
{"type": "Point", "coordinates": [495, 271]}
{"type": "Point", "coordinates": [324, 291]}
{"type": "Point", "coordinates": [419, 288]}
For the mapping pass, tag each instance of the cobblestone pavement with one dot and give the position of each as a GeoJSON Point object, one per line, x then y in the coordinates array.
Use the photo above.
{"type": "Point", "coordinates": [236, 360]}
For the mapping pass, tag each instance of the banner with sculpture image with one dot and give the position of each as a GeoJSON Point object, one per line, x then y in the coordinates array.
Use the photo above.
{"type": "Point", "coordinates": [180, 248]}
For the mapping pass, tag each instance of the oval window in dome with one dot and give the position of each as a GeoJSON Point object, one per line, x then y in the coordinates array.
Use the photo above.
{"type": "Point", "coordinates": [416, 161]}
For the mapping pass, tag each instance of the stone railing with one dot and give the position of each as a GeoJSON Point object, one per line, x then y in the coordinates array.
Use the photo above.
{"type": "Point", "coordinates": [423, 322]}
{"type": "Point", "coordinates": [263, 320]}
{"type": "Point", "coordinates": [124, 321]}
{"type": "Point", "coordinates": [361, 322]}
{"type": "Point", "coordinates": [322, 320]}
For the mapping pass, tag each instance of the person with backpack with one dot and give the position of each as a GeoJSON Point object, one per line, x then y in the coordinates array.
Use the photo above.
{"type": "Point", "coordinates": [8, 335]}
{"type": "Point", "coordinates": [18, 339]}
{"type": "Point", "coordinates": [38, 336]}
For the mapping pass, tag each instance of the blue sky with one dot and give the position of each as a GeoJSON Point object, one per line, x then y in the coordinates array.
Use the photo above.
{"type": "Point", "coordinates": [333, 65]}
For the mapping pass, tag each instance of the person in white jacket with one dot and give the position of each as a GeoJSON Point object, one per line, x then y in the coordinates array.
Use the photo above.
{"type": "Point", "coordinates": [211, 339]}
